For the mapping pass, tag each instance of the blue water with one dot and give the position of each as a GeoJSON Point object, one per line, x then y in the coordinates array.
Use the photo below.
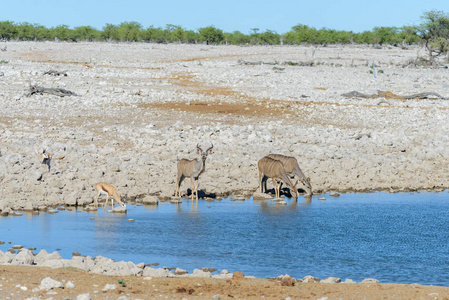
{"type": "Point", "coordinates": [399, 238]}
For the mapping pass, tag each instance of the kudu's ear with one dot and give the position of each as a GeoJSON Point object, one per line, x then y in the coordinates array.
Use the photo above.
{"type": "Point", "coordinates": [210, 151]}
{"type": "Point", "coordinates": [198, 151]}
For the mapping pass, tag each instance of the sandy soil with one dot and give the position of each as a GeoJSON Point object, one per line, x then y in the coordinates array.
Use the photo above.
{"type": "Point", "coordinates": [15, 277]}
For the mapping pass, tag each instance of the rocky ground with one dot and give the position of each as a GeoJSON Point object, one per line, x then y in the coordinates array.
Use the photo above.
{"type": "Point", "coordinates": [84, 278]}
{"type": "Point", "coordinates": [140, 107]}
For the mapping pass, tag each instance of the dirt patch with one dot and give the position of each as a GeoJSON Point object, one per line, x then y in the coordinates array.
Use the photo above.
{"type": "Point", "coordinates": [16, 277]}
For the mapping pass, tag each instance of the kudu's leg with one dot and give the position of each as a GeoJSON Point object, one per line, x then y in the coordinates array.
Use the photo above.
{"type": "Point", "coordinates": [179, 180]}
{"type": "Point", "coordinates": [197, 183]}
{"type": "Point", "coordinates": [193, 187]}
{"type": "Point", "coordinates": [276, 188]}
{"type": "Point", "coordinates": [260, 182]}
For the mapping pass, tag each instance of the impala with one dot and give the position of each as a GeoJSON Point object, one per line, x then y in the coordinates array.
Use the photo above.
{"type": "Point", "coordinates": [274, 169]}
{"type": "Point", "coordinates": [292, 169]}
{"type": "Point", "coordinates": [104, 188]}
{"type": "Point", "coordinates": [192, 169]}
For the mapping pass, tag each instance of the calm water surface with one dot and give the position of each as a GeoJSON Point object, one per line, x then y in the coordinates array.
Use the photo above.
{"type": "Point", "coordinates": [398, 238]}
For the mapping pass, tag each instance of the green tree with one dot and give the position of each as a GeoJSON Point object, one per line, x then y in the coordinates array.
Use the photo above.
{"type": "Point", "coordinates": [155, 35]}
{"type": "Point", "coordinates": [386, 35]}
{"type": "Point", "coordinates": [129, 31]}
{"type": "Point", "coordinates": [304, 33]}
{"type": "Point", "coordinates": [409, 34]}
{"type": "Point", "coordinates": [211, 34]}
{"type": "Point", "coordinates": [434, 30]}
{"type": "Point", "coordinates": [236, 38]}
{"type": "Point", "coordinates": [62, 32]}
{"type": "Point", "coordinates": [26, 31]}
{"type": "Point", "coordinates": [110, 32]}
{"type": "Point", "coordinates": [8, 30]}
{"type": "Point", "coordinates": [176, 33]}
{"type": "Point", "coordinates": [270, 37]}
{"type": "Point", "coordinates": [86, 33]}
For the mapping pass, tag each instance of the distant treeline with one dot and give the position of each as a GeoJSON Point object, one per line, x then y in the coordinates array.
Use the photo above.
{"type": "Point", "coordinates": [134, 31]}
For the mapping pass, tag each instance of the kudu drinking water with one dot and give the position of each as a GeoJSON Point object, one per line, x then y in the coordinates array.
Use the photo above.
{"type": "Point", "coordinates": [274, 169]}
{"type": "Point", "coordinates": [292, 169]}
{"type": "Point", "coordinates": [192, 169]}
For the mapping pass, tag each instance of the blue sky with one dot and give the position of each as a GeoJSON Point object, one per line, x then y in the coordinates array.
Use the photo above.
{"type": "Point", "coordinates": [229, 15]}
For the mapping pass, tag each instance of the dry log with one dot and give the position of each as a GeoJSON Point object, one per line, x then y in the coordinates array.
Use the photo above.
{"type": "Point", "coordinates": [390, 95]}
{"type": "Point", "coordinates": [34, 89]}
{"type": "Point", "coordinates": [55, 73]}
{"type": "Point", "coordinates": [355, 94]}
{"type": "Point", "coordinates": [424, 96]}
{"type": "Point", "coordinates": [286, 63]}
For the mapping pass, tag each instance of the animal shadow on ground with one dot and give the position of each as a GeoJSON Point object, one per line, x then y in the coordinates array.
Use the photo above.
{"type": "Point", "coordinates": [284, 191]}
{"type": "Point", "coordinates": [201, 194]}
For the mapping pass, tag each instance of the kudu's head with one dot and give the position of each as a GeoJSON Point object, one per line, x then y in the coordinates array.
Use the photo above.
{"type": "Point", "coordinates": [294, 190]}
{"type": "Point", "coordinates": [308, 185]}
{"type": "Point", "coordinates": [204, 154]}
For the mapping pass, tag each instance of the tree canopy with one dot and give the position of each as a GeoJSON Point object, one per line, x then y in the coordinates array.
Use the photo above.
{"type": "Point", "coordinates": [433, 31]}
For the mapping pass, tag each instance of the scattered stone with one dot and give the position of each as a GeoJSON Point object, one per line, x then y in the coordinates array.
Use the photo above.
{"type": "Point", "coordinates": [280, 202]}
{"type": "Point", "coordinates": [76, 254]}
{"type": "Point", "coordinates": [83, 297]}
{"type": "Point", "coordinates": [335, 194]}
{"type": "Point", "coordinates": [52, 211]}
{"type": "Point", "coordinates": [179, 271]}
{"type": "Point", "coordinates": [261, 196]}
{"type": "Point", "coordinates": [322, 198]}
{"type": "Point", "coordinates": [287, 280]}
{"type": "Point", "coordinates": [238, 275]}
{"type": "Point", "coordinates": [201, 273]}
{"type": "Point", "coordinates": [108, 287]}
{"type": "Point", "coordinates": [131, 220]}
{"type": "Point", "coordinates": [17, 247]}
{"type": "Point", "coordinates": [370, 280]}
{"type": "Point", "coordinates": [310, 278]}
{"type": "Point", "coordinates": [349, 281]}
{"type": "Point", "coordinates": [47, 284]}
{"type": "Point", "coordinates": [118, 210]}
{"type": "Point", "coordinates": [69, 285]}
{"type": "Point", "coordinates": [150, 200]}
{"type": "Point", "coordinates": [331, 280]}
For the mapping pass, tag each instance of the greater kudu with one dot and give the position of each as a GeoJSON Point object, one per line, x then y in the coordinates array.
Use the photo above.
{"type": "Point", "coordinates": [274, 169]}
{"type": "Point", "coordinates": [292, 169]}
{"type": "Point", "coordinates": [192, 168]}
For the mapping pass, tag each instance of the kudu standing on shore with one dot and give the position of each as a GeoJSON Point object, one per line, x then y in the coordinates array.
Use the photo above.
{"type": "Point", "coordinates": [274, 169]}
{"type": "Point", "coordinates": [292, 168]}
{"type": "Point", "coordinates": [192, 168]}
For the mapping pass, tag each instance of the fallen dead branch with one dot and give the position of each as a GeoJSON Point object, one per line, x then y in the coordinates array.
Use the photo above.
{"type": "Point", "coordinates": [390, 95]}
{"type": "Point", "coordinates": [285, 63]}
{"type": "Point", "coordinates": [34, 89]}
{"type": "Point", "coordinates": [56, 73]}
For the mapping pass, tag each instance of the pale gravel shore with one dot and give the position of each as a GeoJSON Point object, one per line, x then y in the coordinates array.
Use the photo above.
{"type": "Point", "coordinates": [142, 106]}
